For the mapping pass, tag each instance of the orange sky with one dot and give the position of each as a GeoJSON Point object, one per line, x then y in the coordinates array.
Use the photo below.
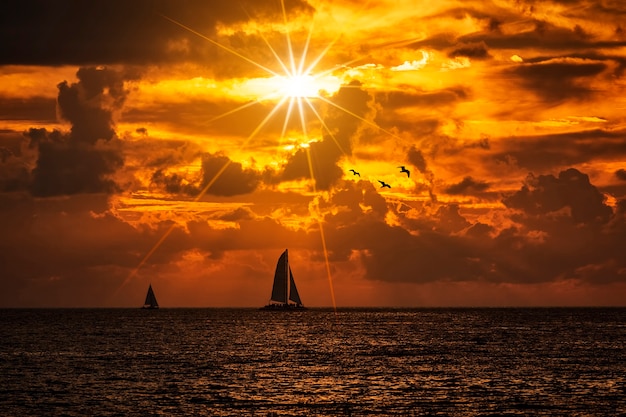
{"type": "Point", "coordinates": [230, 128]}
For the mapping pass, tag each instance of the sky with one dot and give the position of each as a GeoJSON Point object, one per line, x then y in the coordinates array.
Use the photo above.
{"type": "Point", "coordinates": [187, 144]}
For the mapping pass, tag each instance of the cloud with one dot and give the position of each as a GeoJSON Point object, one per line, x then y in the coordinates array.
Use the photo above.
{"type": "Point", "coordinates": [410, 97]}
{"type": "Point", "coordinates": [467, 186]}
{"type": "Point", "coordinates": [562, 230]}
{"type": "Point", "coordinates": [476, 50]}
{"type": "Point", "coordinates": [545, 151]}
{"type": "Point", "coordinates": [89, 104]}
{"type": "Point", "coordinates": [413, 65]}
{"type": "Point", "coordinates": [224, 177]}
{"type": "Point", "coordinates": [541, 35]}
{"type": "Point", "coordinates": [71, 32]}
{"type": "Point", "coordinates": [548, 194]}
{"type": "Point", "coordinates": [37, 108]}
{"type": "Point", "coordinates": [64, 169]}
{"type": "Point", "coordinates": [416, 158]}
{"type": "Point", "coordinates": [174, 183]}
{"type": "Point", "coordinates": [84, 160]}
{"type": "Point", "coordinates": [560, 79]}
{"type": "Point", "coordinates": [16, 159]}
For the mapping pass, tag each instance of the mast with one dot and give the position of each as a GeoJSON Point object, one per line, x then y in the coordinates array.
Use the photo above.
{"type": "Point", "coordinates": [286, 275]}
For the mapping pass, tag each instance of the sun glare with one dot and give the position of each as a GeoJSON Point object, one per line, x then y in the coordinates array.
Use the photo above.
{"type": "Point", "coordinates": [299, 86]}
{"type": "Point", "coordinates": [287, 86]}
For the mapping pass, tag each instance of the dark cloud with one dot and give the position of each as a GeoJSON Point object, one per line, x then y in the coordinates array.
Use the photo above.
{"type": "Point", "coordinates": [615, 62]}
{"type": "Point", "coordinates": [42, 109]}
{"type": "Point", "coordinates": [563, 231]}
{"type": "Point", "coordinates": [83, 160]}
{"type": "Point", "coordinates": [174, 183]}
{"type": "Point", "coordinates": [621, 174]}
{"type": "Point", "coordinates": [505, 29]}
{"type": "Point", "coordinates": [116, 31]}
{"type": "Point", "coordinates": [450, 220]}
{"type": "Point", "coordinates": [15, 162]}
{"type": "Point", "coordinates": [548, 194]}
{"type": "Point", "coordinates": [543, 36]}
{"type": "Point", "coordinates": [468, 185]}
{"type": "Point", "coordinates": [476, 50]}
{"type": "Point", "coordinates": [224, 177]}
{"type": "Point", "coordinates": [63, 168]}
{"type": "Point", "coordinates": [238, 215]}
{"type": "Point", "coordinates": [558, 81]}
{"type": "Point", "coordinates": [409, 96]}
{"type": "Point", "coordinates": [89, 104]}
{"type": "Point", "coordinates": [544, 152]}
{"type": "Point", "coordinates": [416, 158]}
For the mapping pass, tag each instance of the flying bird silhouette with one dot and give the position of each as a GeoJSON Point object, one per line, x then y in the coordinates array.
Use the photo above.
{"type": "Point", "coordinates": [384, 184]}
{"type": "Point", "coordinates": [355, 173]}
{"type": "Point", "coordinates": [403, 169]}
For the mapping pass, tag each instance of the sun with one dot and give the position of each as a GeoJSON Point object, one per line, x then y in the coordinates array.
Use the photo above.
{"type": "Point", "coordinates": [290, 87]}
{"type": "Point", "coordinates": [299, 86]}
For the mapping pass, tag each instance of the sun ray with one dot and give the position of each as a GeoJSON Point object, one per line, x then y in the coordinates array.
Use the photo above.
{"type": "Point", "coordinates": [305, 51]}
{"type": "Point", "coordinates": [235, 110]}
{"type": "Point", "coordinates": [280, 61]}
{"type": "Point", "coordinates": [265, 120]}
{"type": "Point", "coordinates": [360, 118]}
{"type": "Point", "coordinates": [302, 121]}
{"type": "Point", "coordinates": [319, 117]}
{"type": "Point", "coordinates": [269, 46]}
{"type": "Point", "coordinates": [325, 72]}
{"type": "Point", "coordinates": [320, 56]}
{"type": "Point", "coordinates": [317, 60]}
{"type": "Point", "coordinates": [328, 273]}
{"type": "Point", "coordinates": [322, 237]}
{"type": "Point", "coordinates": [287, 117]}
{"type": "Point", "coordinates": [219, 45]}
{"type": "Point", "coordinates": [289, 47]}
{"type": "Point", "coordinates": [145, 259]}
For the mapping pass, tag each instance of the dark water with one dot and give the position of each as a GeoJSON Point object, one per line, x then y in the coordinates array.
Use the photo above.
{"type": "Point", "coordinates": [232, 362]}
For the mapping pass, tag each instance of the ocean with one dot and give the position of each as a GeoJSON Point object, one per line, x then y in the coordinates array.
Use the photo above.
{"type": "Point", "coordinates": [353, 362]}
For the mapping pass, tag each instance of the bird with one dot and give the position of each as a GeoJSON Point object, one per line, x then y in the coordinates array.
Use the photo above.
{"type": "Point", "coordinates": [403, 169]}
{"type": "Point", "coordinates": [384, 184]}
{"type": "Point", "coordinates": [355, 173]}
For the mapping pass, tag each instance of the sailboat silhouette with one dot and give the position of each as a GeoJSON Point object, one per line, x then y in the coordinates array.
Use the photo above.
{"type": "Point", "coordinates": [151, 301]}
{"type": "Point", "coordinates": [284, 292]}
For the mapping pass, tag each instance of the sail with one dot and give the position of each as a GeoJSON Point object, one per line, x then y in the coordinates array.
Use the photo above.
{"type": "Point", "coordinates": [151, 300]}
{"type": "Point", "coordinates": [279, 290]}
{"type": "Point", "coordinates": [293, 291]}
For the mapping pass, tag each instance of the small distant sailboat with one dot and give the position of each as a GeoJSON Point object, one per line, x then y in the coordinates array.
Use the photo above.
{"type": "Point", "coordinates": [284, 292]}
{"type": "Point", "coordinates": [151, 301]}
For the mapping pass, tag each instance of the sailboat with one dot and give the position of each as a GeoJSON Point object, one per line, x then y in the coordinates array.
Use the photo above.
{"type": "Point", "coordinates": [151, 301]}
{"type": "Point", "coordinates": [284, 292]}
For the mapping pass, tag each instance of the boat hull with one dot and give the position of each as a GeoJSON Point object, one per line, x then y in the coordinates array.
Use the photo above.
{"type": "Point", "coordinates": [283, 307]}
